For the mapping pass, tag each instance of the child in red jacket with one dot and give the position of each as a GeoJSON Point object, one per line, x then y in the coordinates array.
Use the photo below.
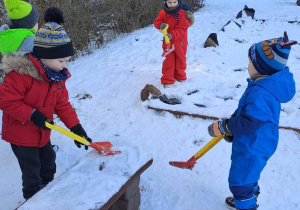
{"type": "Point", "coordinates": [33, 89]}
{"type": "Point", "coordinates": [174, 65]}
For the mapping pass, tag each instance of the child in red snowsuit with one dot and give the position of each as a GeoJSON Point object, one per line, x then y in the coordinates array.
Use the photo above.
{"type": "Point", "coordinates": [33, 89]}
{"type": "Point", "coordinates": [174, 65]}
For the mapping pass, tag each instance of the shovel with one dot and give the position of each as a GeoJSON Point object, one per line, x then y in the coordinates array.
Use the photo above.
{"type": "Point", "coordinates": [167, 40]}
{"type": "Point", "coordinates": [102, 147]}
{"type": "Point", "coordinates": [192, 161]}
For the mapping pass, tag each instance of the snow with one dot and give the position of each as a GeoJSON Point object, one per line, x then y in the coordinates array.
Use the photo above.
{"type": "Point", "coordinates": [114, 76]}
{"type": "Point", "coordinates": [83, 185]}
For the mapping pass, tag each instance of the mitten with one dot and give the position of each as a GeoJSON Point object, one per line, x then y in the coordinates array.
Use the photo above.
{"type": "Point", "coordinates": [162, 26]}
{"type": "Point", "coordinates": [39, 119]}
{"type": "Point", "coordinates": [78, 129]}
{"type": "Point", "coordinates": [170, 36]}
{"type": "Point", "coordinates": [228, 138]}
{"type": "Point", "coordinates": [218, 128]}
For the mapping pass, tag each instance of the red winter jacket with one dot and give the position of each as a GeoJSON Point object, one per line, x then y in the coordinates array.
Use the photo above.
{"type": "Point", "coordinates": [24, 89]}
{"type": "Point", "coordinates": [178, 25]}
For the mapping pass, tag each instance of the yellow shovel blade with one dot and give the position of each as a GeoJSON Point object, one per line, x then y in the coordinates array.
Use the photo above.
{"type": "Point", "coordinates": [68, 133]}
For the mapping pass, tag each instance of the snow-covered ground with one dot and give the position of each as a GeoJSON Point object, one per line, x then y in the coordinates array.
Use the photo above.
{"type": "Point", "coordinates": [113, 77]}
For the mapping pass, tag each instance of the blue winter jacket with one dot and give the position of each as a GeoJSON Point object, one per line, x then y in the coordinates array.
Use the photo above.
{"type": "Point", "coordinates": [255, 126]}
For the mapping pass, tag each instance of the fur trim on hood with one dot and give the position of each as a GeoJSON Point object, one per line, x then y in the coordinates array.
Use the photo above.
{"type": "Point", "coordinates": [19, 62]}
{"type": "Point", "coordinates": [190, 16]}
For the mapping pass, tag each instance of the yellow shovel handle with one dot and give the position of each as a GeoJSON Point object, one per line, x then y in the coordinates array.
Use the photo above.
{"type": "Point", "coordinates": [165, 31]}
{"type": "Point", "coordinates": [67, 133]}
{"type": "Point", "coordinates": [208, 146]}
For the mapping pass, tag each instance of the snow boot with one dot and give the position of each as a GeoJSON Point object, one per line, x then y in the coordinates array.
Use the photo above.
{"type": "Point", "coordinates": [230, 201]}
{"type": "Point", "coordinates": [167, 85]}
{"type": "Point", "coordinates": [230, 204]}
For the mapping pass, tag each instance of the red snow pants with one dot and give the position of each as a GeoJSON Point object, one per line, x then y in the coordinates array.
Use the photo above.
{"type": "Point", "coordinates": [174, 65]}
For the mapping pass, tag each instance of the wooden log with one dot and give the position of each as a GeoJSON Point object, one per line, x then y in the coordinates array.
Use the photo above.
{"type": "Point", "coordinates": [210, 117]}
{"type": "Point", "coordinates": [185, 113]}
{"type": "Point", "coordinates": [125, 187]}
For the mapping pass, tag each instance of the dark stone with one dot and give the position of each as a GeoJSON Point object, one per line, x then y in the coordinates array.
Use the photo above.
{"type": "Point", "coordinates": [249, 12]}
{"type": "Point", "coordinates": [211, 41]}
{"type": "Point", "coordinates": [239, 25]}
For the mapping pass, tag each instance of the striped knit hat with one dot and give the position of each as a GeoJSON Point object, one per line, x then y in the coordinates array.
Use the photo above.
{"type": "Point", "coordinates": [270, 56]}
{"type": "Point", "coordinates": [21, 14]}
{"type": "Point", "coordinates": [51, 40]}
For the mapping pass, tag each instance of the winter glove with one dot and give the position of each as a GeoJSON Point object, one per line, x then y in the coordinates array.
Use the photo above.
{"type": "Point", "coordinates": [78, 129]}
{"type": "Point", "coordinates": [39, 119]}
{"type": "Point", "coordinates": [162, 26]}
{"type": "Point", "coordinates": [228, 138]}
{"type": "Point", "coordinates": [170, 36]}
{"type": "Point", "coordinates": [218, 128]}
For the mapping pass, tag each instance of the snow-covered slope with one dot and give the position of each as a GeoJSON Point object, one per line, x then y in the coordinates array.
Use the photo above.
{"type": "Point", "coordinates": [114, 75]}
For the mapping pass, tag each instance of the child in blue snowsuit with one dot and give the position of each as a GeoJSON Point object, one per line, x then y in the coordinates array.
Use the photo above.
{"type": "Point", "coordinates": [254, 125]}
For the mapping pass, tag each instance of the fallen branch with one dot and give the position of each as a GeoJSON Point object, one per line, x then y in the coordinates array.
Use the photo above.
{"type": "Point", "coordinates": [210, 117]}
{"type": "Point", "coordinates": [290, 128]}
{"type": "Point", "coordinates": [185, 113]}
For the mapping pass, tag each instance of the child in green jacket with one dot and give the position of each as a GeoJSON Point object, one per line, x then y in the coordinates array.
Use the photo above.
{"type": "Point", "coordinates": [19, 36]}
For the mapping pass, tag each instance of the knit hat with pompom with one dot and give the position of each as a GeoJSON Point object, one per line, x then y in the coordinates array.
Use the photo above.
{"type": "Point", "coordinates": [51, 40]}
{"type": "Point", "coordinates": [21, 14]}
{"type": "Point", "coordinates": [271, 56]}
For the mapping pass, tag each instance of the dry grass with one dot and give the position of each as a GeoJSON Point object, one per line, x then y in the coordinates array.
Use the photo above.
{"type": "Point", "coordinates": [90, 24]}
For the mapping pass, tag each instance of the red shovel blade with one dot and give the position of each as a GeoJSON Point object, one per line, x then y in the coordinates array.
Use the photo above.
{"type": "Point", "coordinates": [184, 165]}
{"type": "Point", "coordinates": [101, 145]}
{"type": "Point", "coordinates": [168, 50]}
{"type": "Point", "coordinates": [109, 152]}
{"type": "Point", "coordinates": [104, 148]}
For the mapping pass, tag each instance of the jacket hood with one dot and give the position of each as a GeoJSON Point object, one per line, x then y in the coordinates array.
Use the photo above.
{"type": "Point", "coordinates": [4, 28]}
{"type": "Point", "coordinates": [280, 84]}
{"type": "Point", "coordinates": [19, 62]}
{"type": "Point", "coordinates": [12, 39]}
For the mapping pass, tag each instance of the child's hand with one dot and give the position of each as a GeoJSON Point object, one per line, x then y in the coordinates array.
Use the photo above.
{"type": "Point", "coordinates": [218, 128]}
{"type": "Point", "coordinates": [170, 36]}
{"type": "Point", "coordinates": [78, 129]}
{"type": "Point", "coordinates": [78, 144]}
{"type": "Point", "coordinates": [228, 138]}
{"type": "Point", "coordinates": [162, 26]}
{"type": "Point", "coordinates": [39, 119]}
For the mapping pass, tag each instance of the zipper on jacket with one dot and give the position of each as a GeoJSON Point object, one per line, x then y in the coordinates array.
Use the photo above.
{"type": "Point", "coordinates": [50, 84]}
{"type": "Point", "coordinates": [181, 42]}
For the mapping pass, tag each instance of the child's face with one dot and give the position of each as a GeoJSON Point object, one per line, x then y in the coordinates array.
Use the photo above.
{"type": "Point", "coordinates": [251, 69]}
{"type": "Point", "coordinates": [57, 64]}
{"type": "Point", "coordinates": [172, 3]}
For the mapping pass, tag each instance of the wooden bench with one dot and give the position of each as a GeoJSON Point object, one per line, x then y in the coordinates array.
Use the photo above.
{"type": "Point", "coordinates": [95, 182]}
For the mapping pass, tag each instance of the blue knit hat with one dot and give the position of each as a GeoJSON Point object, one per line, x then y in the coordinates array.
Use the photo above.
{"type": "Point", "coordinates": [51, 40]}
{"type": "Point", "coordinates": [271, 56]}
